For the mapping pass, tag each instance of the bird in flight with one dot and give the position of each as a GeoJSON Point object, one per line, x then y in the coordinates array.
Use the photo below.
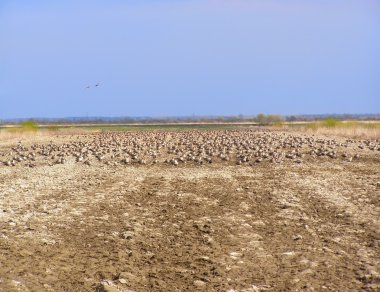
{"type": "Point", "coordinates": [88, 86]}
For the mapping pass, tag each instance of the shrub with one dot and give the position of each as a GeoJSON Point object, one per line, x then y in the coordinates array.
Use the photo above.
{"type": "Point", "coordinates": [330, 123]}
{"type": "Point", "coordinates": [262, 119]}
{"type": "Point", "coordinates": [274, 119]}
{"type": "Point", "coordinates": [29, 126]}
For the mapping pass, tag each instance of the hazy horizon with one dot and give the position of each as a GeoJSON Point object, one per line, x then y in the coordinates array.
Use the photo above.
{"type": "Point", "coordinates": [363, 116]}
{"type": "Point", "coordinates": [185, 58]}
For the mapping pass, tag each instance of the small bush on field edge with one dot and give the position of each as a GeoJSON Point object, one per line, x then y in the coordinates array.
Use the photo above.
{"type": "Point", "coordinates": [330, 123]}
{"type": "Point", "coordinates": [29, 126]}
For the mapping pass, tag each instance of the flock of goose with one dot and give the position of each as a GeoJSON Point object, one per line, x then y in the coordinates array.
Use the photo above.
{"type": "Point", "coordinates": [240, 147]}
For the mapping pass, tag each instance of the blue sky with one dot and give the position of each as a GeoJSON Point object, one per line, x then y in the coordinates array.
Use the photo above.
{"type": "Point", "coordinates": [189, 57]}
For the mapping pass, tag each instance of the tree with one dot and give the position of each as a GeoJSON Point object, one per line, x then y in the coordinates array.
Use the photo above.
{"type": "Point", "coordinates": [261, 119]}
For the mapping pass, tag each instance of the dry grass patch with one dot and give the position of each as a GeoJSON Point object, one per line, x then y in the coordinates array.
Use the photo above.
{"type": "Point", "coordinates": [350, 129]}
{"type": "Point", "coordinates": [352, 132]}
{"type": "Point", "coordinates": [11, 133]}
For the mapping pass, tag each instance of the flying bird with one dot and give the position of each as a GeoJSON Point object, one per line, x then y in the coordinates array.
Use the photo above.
{"type": "Point", "coordinates": [89, 86]}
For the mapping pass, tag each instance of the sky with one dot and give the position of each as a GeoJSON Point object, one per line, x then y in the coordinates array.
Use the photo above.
{"type": "Point", "coordinates": [190, 57]}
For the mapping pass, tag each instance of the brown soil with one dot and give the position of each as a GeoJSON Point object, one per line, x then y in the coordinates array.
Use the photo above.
{"type": "Point", "coordinates": [217, 227]}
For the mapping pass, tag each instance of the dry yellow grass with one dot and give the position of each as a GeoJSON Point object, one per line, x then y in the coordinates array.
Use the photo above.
{"type": "Point", "coordinates": [14, 133]}
{"type": "Point", "coordinates": [357, 132]}
{"type": "Point", "coordinates": [349, 129]}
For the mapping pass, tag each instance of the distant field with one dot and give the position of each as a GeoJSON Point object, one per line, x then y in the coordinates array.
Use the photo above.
{"type": "Point", "coordinates": [178, 127]}
{"type": "Point", "coordinates": [130, 127]}
{"type": "Point", "coordinates": [353, 129]}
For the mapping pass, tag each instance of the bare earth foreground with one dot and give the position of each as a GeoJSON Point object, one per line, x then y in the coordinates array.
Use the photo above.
{"type": "Point", "coordinates": [254, 219]}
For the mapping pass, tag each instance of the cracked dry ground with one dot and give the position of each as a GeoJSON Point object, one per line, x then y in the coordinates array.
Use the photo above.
{"type": "Point", "coordinates": [211, 228]}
